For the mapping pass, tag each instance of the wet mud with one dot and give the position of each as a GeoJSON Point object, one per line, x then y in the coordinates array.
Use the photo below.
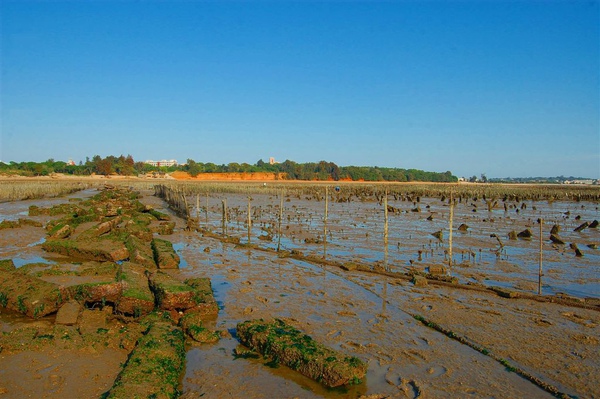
{"type": "Point", "coordinates": [388, 323]}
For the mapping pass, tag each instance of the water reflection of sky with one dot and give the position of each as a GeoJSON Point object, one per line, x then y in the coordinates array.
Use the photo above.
{"type": "Point", "coordinates": [355, 233]}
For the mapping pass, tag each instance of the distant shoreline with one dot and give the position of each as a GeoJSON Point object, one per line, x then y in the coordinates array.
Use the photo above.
{"type": "Point", "coordinates": [259, 177]}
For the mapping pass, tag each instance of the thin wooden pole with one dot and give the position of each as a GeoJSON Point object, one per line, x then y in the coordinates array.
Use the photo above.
{"type": "Point", "coordinates": [249, 218]}
{"type": "Point", "coordinates": [186, 209]}
{"type": "Point", "coordinates": [207, 210]}
{"type": "Point", "coordinates": [198, 210]}
{"type": "Point", "coordinates": [385, 229]}
{"type": "Point", "coordinates": [325, 222]}
{"type": "Point", "coordinates": [279, 223]}
{"type": "Point", "coordinates": [224, 217]}
{"type": "Point", "coordinates": [385, 213]}
{"type": "Point", "coordinates": [541, 260]}
{"type": "Point", "coordinates": [450, 227]}
{"type": "Point", "coordinates": [326, 201]}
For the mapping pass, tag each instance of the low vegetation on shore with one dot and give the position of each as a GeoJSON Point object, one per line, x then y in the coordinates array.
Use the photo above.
{"type": "Point", "coordinates": [290, 170]}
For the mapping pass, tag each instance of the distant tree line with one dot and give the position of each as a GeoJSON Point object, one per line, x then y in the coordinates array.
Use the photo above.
{"type": "Point", "coordinates": [126, 166]}
{"type": "Point", "coordinates": [122, 165]}
{"type": "Point", "coordinates": [322, 171]}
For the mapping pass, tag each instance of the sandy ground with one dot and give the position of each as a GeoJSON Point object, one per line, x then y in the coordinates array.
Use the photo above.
{"type": "Point", "coordinates": [363, 315]}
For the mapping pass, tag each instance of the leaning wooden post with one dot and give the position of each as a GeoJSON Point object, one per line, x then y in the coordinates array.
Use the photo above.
{"type": "Point", "coordinates": [249, 218]}
{"type": "Point", "coordinates": [186, 209]}
{"type": "Point", "coordinates": [541, 252]}
{"type": "Point", "coordinates": [450, 227]}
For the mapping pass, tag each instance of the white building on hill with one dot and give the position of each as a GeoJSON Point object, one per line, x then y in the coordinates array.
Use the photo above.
{"type": "Point", "coordinates": [164, 162]}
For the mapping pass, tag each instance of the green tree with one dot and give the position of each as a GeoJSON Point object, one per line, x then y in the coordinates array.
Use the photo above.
{"type": "Point", "coordinates": [193, 168]}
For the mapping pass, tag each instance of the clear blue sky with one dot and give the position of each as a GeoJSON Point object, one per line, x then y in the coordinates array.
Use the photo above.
{"type": "Point", "coordinates": [502, 88]}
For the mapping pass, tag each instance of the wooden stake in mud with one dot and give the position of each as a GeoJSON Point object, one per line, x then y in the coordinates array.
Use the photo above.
{"type": "Point", "coordinates": [385, 229]}
{"type": "Point", "coordinates": [385, 214]}
{"type": "Point", "coordinates": [279, 222]}
{"type": "Point", "coordinates": [224, 218]}
{"type": "Point", "coordinates": [186, 208]}
{"type": "Point", "coordinates": [198, 209]}
{"type": "Point", "coordinates": [450, 227]}
{"type": "Point", "coordinates": [207, 210]}
{"type": "Point", "coordinates": [249, 218]}
{"type": "Point", "coordinates": [326, 201]}
{"type": "Point", "coordinates": [541, 252]}
{"type": "Point", "coordinates": [325, 223]}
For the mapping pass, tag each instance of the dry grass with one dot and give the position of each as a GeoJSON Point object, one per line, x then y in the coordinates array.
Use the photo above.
{"type": "Point", "coordinates": [23, 189]}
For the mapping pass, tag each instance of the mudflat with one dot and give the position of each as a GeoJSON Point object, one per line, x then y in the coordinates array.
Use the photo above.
{"type": "Point", "coordinates": [438, 339]}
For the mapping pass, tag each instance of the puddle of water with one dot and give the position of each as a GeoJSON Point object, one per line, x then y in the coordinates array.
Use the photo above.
{"type": "Point", "coordinates": [38, 242]}
{"type": "Point", "coordinates": [182, 262]}
{"type": "Point", "coordinates": [34, 259]}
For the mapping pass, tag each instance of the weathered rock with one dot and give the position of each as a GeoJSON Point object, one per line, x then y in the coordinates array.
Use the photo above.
{"type": "Point", "coordinates": [582, 227]}
{"type": "Point", "coordinates": [419, 281]}
{"type": "Point", "coordinates": [163, 228]}
{"type": "Point", "coordinates": [504, 292]}
{"type": "Point", "coordinates": [7, 265]}
{"type": "Point", "coordinates": [206, 305]}
{"type": "Point", "coordinates": [300, 352]}
{"type": "Point", "coordinates": [438, 234]}
{"type": "Point", "coordinates": [555, 229]}
{"type": "Point", "coordinates": [68, 314]}
{"type": "Point", "coordinates": [136, 298]}
{"type": "Point", "coordinates": [14, 224]}
{"type": "Point", "coordinates": [96, 292]}
{"type": "Point", "coordinates": [159, 215]}
{"type": "Point", "coordinates": [437, 270]}
{"type": "Point", "coordinates": [512, 235]}
{"type": "Point", "coordinates": [140, 252]}
{"type": "Point", "coordinates": [98, 249]}
{"type": "Point", "coordinates": [193, 325]}
{"type": "Point", "coordinates": [593, 225]}
{"type": "Point", "coordinates": [556, 239]}
{"type": "Point", "coordinates": [92, 320]}
{"type": "Point", "coordinates": [154, 368]}
{"type": "Point", "coordinates": [171, 294]}
{"type": "Point", "coordinates": [63, 232]}
{"type": "Point", "coordinates": [106, 227]}
{"type": "Point", "coordinates": [525, 234]}
{"type": "Point", "coordinates": [575, 248]}
{"type": "Point", "coordinates": [349, 266]}
{"type": "Point", "coordinates": [164, 254]}
{"type": "Point", "coordinates": [463, 228]}
{"type": "Point", "coordinates": [29, 295]}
